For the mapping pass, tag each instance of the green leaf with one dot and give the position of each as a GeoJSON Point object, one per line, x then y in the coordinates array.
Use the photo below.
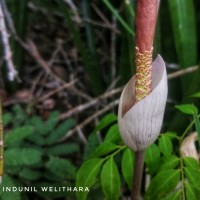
{"type": "Point", "coordinates": [116, 14]}
{"type": "Point", "coordinates": [25, 156]}
{"type": "Point", "coordinates": [187, 108]}
{"type": "Point", "coordinates": [60, 131]}
{"type": "Point", "coordinates": [105, 148]}
{"type": "Point", "coordinates": [62, 149]}
{"type": "Point", "coordinates": [107, 120]}
{"type": "Point", "coordinates": [127, 165]}
{"type": "Point", "coordinates": [191, 192]}
{"type": "Point", "coordinates": [168, 162]}
{"type": "Point", "coordinates": [61, 167]}
{"type": "Point", "coordinates": [184, 29]}
{"type": "Point", "coordinates": [87, 175]}
{"type": "Point", "coordinates": [191, 162]}
{"type": "Point", "coordinates": [18, 135]}
{"type": "Point", "coordinates": [193, 176]}
{"type": "Point", "coordinates": [20, 115]}
{"type": "Point", "coordinates": [171, 135]}
{"type": "Point", "coordinates": [7, 118]}
{"type": "Point", "coordinates": [38, 124]}
{"type": "Point", "coordinates": [29, 174]}
{"type": "Point", "coordinates": [9, 182]}
{"type": "Point", "coordinates": [110, 180]}
{"type": "Point", "coordinates": [165, 145]}
{"type": "Point", "coordinates": [37, 139]}
{"type": "Point", "coordinates": [44, 127]}
{"type": "Point", "coordinates": [173, 196]}
{"type": "Point", "coordinates": [152, 158]}
{"type": "Point", "coordinates": [196, 95]}
{"type": "Point", "coordinates": [162, 184]}
{"type": "Point", "coordinates": [51, 122]}
{"type": "Point", "coordinates": [113, 134]}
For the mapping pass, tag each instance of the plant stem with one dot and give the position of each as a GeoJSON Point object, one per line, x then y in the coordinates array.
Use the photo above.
{"type": "Point", "coordinates": [137, 177]}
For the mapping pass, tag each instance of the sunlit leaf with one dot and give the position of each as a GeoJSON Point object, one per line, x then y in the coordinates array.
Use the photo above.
{"type": "Point", "coordinates": [87, 175]}
{"type": "Point", "coordinates": [193, 176]}
{"type": "Point", "coordinates": [187, 108]}
{"type": "Point", "coordinates": [107, 120]}
{"type": "Point", "coordinates": [152, 158]}
{"type": "Point", "coordinates": [105, 148]}
{"type": "Point", "coordinates": [127, 165]}
{"type": "Point", "coordinates": [25, 156]}
{"type": "Point", "coordinates": [191, 192]}
{"type": "Point", "coordinates": [173, 196]}
{"type": "Point", "coordinates": [18, 134]}
{"type": "Point", "coordinates": [110, 180]}
{"type": "Point", "coordinates": [191, 162]}
{"type": "Point", "coordinates": [165, 145]}
{"type": "Point", "coordinates": [113, 134]}
{"type": "Point", "coordinates": [171, 135]}
{"type": "Point", "coordinates": [196, 95]}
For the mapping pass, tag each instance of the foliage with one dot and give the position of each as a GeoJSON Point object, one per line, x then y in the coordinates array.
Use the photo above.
{"type": "Point", "coordinates": [34, 153]}
{"type": "Point", "coordinates": [110, 167]}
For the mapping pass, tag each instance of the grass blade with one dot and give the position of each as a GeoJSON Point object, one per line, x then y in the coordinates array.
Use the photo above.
{"type": "Point", "coordinates": [120, 19]}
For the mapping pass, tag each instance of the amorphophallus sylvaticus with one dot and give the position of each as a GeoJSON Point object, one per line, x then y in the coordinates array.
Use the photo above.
{"type": "Point", "coordinates": [142, 102]}
{"type": "Point", "coordinates": [140, 122]}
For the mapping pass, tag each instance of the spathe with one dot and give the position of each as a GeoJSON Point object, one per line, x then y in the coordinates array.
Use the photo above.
{"type": "Point", "coordinates": [188, 147]}
{"type": "Point", "coordinates": [140, 123]}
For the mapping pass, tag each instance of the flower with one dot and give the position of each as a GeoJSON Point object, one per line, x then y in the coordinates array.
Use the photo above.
{"type": "Point", "coordinates": [140, 121]}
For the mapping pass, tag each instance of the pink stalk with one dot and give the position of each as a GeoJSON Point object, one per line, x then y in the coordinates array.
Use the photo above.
{"type": "Point", "coordinates": [146, 15]}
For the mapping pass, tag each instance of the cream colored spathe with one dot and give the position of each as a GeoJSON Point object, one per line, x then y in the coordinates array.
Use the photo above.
{"type": "Point", "coordinates": [140, 123]}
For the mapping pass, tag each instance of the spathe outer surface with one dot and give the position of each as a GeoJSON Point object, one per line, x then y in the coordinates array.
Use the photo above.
{"type": "Point", "coordinates": [188, 147]}
{"type": "Point", "coordinates": [140, 123]}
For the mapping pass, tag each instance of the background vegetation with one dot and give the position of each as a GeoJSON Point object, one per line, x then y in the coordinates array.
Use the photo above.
{"type": "Point", "coordinates": [73, 58]}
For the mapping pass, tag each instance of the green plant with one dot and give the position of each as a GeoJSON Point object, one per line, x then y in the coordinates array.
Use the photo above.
{"type": "Point", "coordinates": [34, 156]}
{"type": "Point", "coordinates": [107, 169]}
